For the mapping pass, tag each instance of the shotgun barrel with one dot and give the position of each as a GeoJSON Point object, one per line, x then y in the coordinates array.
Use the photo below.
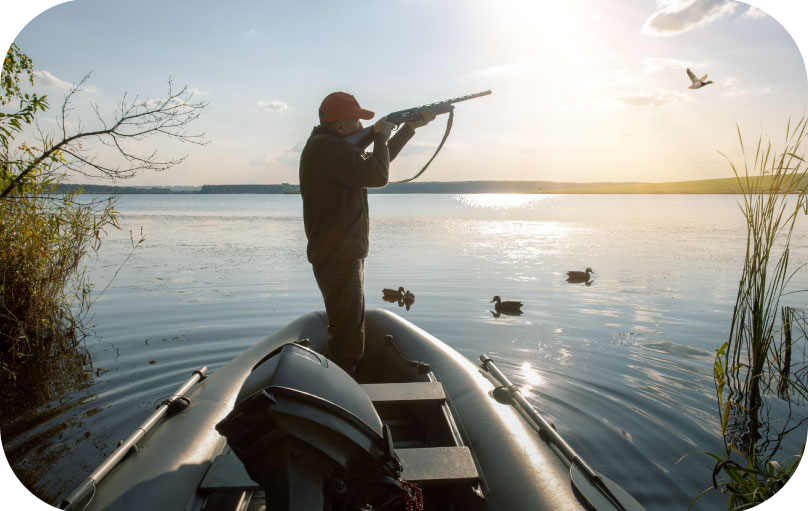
{"type": "Point", "coordinates": [364, 138]}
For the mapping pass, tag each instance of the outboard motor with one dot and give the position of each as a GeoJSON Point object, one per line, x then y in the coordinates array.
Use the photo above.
{"type": "Point", "coordinates": [308, 433]}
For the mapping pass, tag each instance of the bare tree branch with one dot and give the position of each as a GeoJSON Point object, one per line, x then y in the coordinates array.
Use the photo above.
{"type": "Point", "coordinates": [135, 120]}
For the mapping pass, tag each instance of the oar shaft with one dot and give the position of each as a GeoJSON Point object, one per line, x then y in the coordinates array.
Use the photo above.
{"type": "Point", "coordinates": [118, 454]}
{"type": "Point", "coordinates": [546, 428]}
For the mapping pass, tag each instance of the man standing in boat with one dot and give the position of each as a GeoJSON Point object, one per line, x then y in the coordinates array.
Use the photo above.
{"type": "Point", "coordinates": [334, 177]}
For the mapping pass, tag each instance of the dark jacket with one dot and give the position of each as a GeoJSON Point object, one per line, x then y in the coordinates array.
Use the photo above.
{"type": "Point", "coordinates": [334, 178]}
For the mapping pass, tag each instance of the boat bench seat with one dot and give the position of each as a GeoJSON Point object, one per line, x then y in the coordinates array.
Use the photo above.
{"type": "Point", "coordinates": [393, 393]}
{"type": "Point", "coordinates": [423, 466]}
{"type": "Point", "coordinates": [437, 465]}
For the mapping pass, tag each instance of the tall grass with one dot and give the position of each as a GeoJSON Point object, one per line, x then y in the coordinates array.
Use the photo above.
{"type": "Point", "coordinates": [44, 295]}
{"type": "Point", "coordinates": [756, 381]}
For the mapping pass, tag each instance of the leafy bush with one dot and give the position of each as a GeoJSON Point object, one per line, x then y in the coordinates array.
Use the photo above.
{"type": "Point", "coordinates": [44, 235]}
{"type": "Point", "coordinates": [43, 295]}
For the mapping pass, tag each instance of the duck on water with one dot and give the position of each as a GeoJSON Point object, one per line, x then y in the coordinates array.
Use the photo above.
{"type": "Point", "coordinates": [506, 305]}
{"type": "Point", "coordinates": [579, 276]}
{"type": "Point", "coordinates": [393, 294]}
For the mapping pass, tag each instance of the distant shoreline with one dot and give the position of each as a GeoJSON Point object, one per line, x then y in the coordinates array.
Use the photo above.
{"type": "Point", "coordinates": [706, 186]}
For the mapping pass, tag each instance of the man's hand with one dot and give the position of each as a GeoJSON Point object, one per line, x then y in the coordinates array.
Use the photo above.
{"type": "Point", "coordinates": [427, 116]}
{"type": "Point", "coordinates": [383, 127]}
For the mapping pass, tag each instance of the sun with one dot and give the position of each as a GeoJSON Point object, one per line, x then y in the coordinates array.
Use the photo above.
{"type": "Point", "coordinates": [546, 33]}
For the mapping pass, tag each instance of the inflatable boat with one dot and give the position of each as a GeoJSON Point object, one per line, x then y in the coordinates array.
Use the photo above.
{"type": "Point", "coordinates": [280, 427]}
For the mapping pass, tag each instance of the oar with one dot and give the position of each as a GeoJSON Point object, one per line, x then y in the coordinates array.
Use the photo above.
{"type": "Point", "coordinates": [600, 492]}
{"type": "Point", "coordinates": [87, 487]}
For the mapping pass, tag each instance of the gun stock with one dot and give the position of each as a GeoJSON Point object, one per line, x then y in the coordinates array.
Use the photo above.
{"type": "Point", "coordinates": [364, 138]}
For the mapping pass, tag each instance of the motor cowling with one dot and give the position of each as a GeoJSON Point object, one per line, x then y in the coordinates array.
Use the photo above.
{"type": "Point", "coordinates": [309, 434]}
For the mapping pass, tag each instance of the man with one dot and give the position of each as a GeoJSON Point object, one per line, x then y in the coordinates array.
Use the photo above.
{"type": "Point", "coordinates": [334, 177]}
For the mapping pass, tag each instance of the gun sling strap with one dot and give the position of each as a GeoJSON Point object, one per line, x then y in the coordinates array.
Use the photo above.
{"type": "Point", "coordinates": [445, 136]}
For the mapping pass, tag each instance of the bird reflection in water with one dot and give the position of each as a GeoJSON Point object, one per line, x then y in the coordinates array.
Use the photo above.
{"type": "Point", "coordinates": [498, 313]}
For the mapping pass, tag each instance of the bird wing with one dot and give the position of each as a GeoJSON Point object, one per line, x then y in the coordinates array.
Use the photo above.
{"type": "Point", "coordinates": [703, 78]}
{"type": "Point", "coordinates": [691, 75]}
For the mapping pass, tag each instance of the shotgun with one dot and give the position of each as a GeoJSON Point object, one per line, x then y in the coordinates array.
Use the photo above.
{"type": "Point", "coordinates": [364, 138]}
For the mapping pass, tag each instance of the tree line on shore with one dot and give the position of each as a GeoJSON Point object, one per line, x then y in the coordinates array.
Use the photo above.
{"type": "Point", "coordinates": [704, 186]}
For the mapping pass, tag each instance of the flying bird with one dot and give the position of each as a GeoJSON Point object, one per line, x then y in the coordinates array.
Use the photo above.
{"type": "Point", "coordinates": [697, 82]}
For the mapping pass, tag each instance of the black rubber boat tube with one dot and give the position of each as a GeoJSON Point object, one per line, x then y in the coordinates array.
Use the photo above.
{"type": "Point", "coordinates": [550, 435]}
{"type": "Point", "coordinates": [87, 487]}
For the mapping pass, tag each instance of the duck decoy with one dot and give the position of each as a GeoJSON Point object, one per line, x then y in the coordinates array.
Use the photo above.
{"type": "Point", "coordinates": [393, 293]}
{"type": "Point", "coordinates": [506, 305]}
{"type": "Point", "coordinates": [697, 82]}
{"type": "Point", "coordinates": [408, 299]}
{"type": "Point", "coordinates": [579, 276]}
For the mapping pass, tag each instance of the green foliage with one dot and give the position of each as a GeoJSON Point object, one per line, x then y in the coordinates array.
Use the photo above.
{"type": "Point", "coordinates": [749, 485]}
{"type": "Point", "coordinates": [15, 65]}
{"type": "Point", "coordinates": [44, 295]}
{"type": "Point", "coordinates": [754, 368]}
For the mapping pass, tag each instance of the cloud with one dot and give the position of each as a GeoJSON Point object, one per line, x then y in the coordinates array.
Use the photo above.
{"type": "Point", "coordinates": [615, 78]}
{"type": "Point", "coordinates": [732, 88]}
{"type": "Point", "coordinates": [646, 98]}
{"type": "Point", "coordinates": [761, 8]}
{"type": "Point", "coordinates": [272, 105]}
{"type": "Point", "coordinates": [675, 16]}
{"type": "Point", "coordinates": [153, 103]}
{"type": "Point", "coordinates": [252, 34]}
{"type": "Point", "coordinates": [46, 79]}
{"type": "Point", "coordinates": [658, 64]}
{"type": "Point", "coordinates": [287, 157]}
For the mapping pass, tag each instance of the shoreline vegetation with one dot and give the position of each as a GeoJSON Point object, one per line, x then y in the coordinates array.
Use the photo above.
{"type": "Point", "coordinates": [760, 372]}
{"type": "Point", "coordinates": [730, 185]}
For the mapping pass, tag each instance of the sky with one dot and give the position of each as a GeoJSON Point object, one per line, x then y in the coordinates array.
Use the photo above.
{"type": "Point", "coordinates": [585, 90]}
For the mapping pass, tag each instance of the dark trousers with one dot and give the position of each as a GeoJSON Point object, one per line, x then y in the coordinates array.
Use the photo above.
{"type": "Point", "coordinates": [342, 286]}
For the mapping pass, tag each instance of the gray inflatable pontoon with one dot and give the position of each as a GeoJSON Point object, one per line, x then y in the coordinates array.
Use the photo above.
{"type": "Point", "coordinates": [281, 427]}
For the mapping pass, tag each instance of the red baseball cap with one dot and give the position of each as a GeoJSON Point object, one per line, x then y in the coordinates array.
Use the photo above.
{"type": "Point", "coordinates": [338, 106]}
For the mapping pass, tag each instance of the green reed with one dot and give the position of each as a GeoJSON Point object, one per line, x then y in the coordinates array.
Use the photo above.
{"type": "Point", "coordinates": [756, 377]}
{"type": "Point", "coordinates": [749, 485]}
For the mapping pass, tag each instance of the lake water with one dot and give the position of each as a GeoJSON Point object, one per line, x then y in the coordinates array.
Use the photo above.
{"type": "Point", "coordinates": [622, 367]}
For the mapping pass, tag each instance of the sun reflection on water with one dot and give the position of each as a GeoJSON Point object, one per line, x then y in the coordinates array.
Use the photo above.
{"type": "Point", "coordinates": [503, 200]}
{"type": "Point", "coordinates": [532, 378]}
